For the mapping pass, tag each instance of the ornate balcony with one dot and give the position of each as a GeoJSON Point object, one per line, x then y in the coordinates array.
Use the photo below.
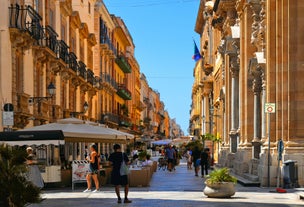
{"type": "Point", "coordinates": [123, 92]}
{"type": "Point", "coordinates": [90, 76]}
{"type": "Point", "coordinates": [139, 105]}
{"type": "Point", "coordinates": [63, 50]}
{"type": "Point", "coordinates": [25, 18]}
{"type": "Point", "coordinates": [73, 62]}
{"type": "Point", "coordinates": [107, 45]}
{"type": "Point", "coordinates": [42, 112]}
{"type": "Point", "coordinates": [122, 62]}
{"type": "Point", "coordinates": [50, 38]}
{"type": "Point", "coordinates": [23, 104]}
{"type": "Point", "coordinates": [125, 121]}
{"type": "Point", "coordinates": [110, 118]}
{"type": "Point", "coordinates": [82, 69]}
{"type": "Point", "coordinates": [105, 42]}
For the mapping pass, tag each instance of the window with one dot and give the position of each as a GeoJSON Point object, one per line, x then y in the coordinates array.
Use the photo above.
{"type": "Point", "coordinates": [81, 50]}
{"type": "Point", "coordinates": [73, 45]}
{"type": "Point", "coordinates": [51, 18]}
{"type": "Point", "coordinates": [89, 8]}
{"type": "Point", "coordinates": [63, 37]}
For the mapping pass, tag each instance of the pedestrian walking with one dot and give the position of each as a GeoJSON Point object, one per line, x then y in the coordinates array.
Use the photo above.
{"type": "Point", "coordinates": [196, 153]}
{"type": "Point", "coordinates": [116, 158]}
{"type": "Point", "coordinates": [94, 167]}
{"type": "Point", "coordinates": [188, 156]}
{"type": "Point", "coordinates": [204, 162]}
{"type": "Point", "coordinates": [170, 155]}
{"type": "Point", "coordinates": [175, 159]}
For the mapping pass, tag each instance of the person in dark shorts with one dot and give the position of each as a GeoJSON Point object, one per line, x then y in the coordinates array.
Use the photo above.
{"type": "Point", "coordinates": [204, 161]}
{"type": "Point", "coordinates": [170, 155]}
{"type": "Point", "coordinates": [116, 179]}
{"type": "Point", "coordinates": [93, 169]}
{"type": "Point", "coordinates": [196, 153]}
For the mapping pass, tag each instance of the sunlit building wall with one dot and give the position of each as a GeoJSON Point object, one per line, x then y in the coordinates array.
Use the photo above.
{"type": "Point", "coordinates": [251, 51]}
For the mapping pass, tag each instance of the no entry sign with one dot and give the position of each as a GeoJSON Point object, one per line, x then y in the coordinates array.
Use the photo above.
{"type": "Point", "coordinates": [269, 107]}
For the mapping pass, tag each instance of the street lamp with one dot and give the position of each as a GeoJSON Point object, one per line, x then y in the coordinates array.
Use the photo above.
{"type": "Point", "coordinates": [85, 109]}
{"type": "Point", "coordinates": [51, 90]}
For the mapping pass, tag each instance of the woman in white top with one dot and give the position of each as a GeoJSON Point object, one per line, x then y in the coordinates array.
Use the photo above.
{"type": "Point", "coordinates": [147, 162]}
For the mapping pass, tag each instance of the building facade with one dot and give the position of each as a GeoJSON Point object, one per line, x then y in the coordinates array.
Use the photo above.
{"type": "Point", "coordinates": [251, 55]}
{"type": "Point", "coordinates": [61, 59]}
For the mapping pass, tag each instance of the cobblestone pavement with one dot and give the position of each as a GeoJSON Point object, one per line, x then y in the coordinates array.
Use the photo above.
{"type": "Point", "coordinates": [177, 188]}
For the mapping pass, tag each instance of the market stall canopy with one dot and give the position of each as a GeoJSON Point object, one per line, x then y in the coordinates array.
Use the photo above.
{"type": "Point", "coordinates": [162, 142]}
{"type": "Point", "coordinates": [77, 130]}
{"type": "Point", "coordinates": [21, 138]}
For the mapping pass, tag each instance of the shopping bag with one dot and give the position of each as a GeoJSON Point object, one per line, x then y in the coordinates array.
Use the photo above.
{"type": "Point", "coordinates": [124, 169]}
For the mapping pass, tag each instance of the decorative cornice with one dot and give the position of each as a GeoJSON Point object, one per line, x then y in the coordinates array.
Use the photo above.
{"type": "Point", "coordinates": [84, 30]}
{"type": "Point", "coordinates": [75, 19]}
{"type": "Point", "coordinates": [200, 19]}
{"type": "Point", "coordinates": [66, 7]}
{"type": "Point", "coordinates": [222, 6]}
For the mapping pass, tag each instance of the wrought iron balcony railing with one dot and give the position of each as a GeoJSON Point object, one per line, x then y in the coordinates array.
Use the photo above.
{"type": "Point", "coordinates": [26, 18]}
{"type": "Point", "coordinates": [123, 92]}
{"type": "Point", "coordinates": [51, 38]}
{"type": "Point", "coordinates": [105, 40]}
{"type": "Point", "coordinates": [73, 62]}
{"type": "Point", "coordinates": [122, 62]}
{"type": "Point", "coordinates": [63, 52]}
{"type": "Point", "coordinates": [125, 121]}
{"type": "Point", "coordinates": [82, 69]}
{"type": "Point", "coordinates": [90, 76]}
{"type": "Point", "coordinates": [109, 117]}
{"type": "Point", "coordinates": [106, 78]}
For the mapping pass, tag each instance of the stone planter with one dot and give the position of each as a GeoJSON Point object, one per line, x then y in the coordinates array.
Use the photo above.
{"type": "Point", "coordinates": [219, 190]}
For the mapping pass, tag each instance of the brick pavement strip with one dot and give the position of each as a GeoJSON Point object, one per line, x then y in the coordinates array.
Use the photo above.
{"type": "Point", "coordinates": [178, 188]}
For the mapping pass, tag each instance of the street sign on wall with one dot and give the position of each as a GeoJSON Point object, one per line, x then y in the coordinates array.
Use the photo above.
{"type": "Point", "coordinates": [8, 118]}
{"type": "Point", "coordinates": [269, 108]}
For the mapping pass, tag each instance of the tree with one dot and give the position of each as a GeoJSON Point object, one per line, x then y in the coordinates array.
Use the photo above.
{"type": "Point", "coordinates": [16, 190]}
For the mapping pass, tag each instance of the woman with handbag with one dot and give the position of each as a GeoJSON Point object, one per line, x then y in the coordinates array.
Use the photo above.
{"type": "Point", "coordinates": [119, 175]}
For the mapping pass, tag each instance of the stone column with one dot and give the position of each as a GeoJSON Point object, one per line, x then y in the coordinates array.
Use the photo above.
{"type": "Point", "coordinates": [232, 50]}
{"type": "Point", "coordinates": [257, 88]}
{"type": "Point", "coordinates": [263, 120]}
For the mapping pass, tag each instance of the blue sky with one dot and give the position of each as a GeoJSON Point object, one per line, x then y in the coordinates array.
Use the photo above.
{"type": "Point", "coordinates": [163, 32]}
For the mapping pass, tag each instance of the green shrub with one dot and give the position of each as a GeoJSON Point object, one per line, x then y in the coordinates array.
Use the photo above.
{"type": "Point", "coordinates": [16, 190]}
{"type": "Point", "coordinates": [220, 175]}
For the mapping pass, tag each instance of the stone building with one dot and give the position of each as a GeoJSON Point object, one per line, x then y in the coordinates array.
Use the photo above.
{"type": "Point", "coordinates": [251, 56]}
{"type": "Point", "coordinates": [72, 58]}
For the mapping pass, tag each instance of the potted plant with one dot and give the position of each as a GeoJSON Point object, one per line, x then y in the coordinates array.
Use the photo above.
{"type": "Point", "coordinates": [16, 189]}
{"type": "Point", "coordinates": [220, 184]}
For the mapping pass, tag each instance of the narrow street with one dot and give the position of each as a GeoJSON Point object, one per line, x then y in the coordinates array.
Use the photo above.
{"type": "Point", "coordinates": [177, 188]}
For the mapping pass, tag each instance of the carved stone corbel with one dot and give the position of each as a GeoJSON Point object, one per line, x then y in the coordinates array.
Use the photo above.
{"type": "Point", "coordinates": [255, 6]}
{"type": "Point", "coordinates": [55, 67]}
{"type": "Point", "coordinates": [84, 87]}
{"type": "Point", "coordinates": [65, 75]}
{"type": "Point", "coordinates": [75, 82]}
{"type": "Point", "coordinates": [262, 26]}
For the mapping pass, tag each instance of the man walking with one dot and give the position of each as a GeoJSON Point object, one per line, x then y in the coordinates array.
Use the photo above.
{"type": "Point", "coordinates": [170, 154]}
{"type": "Point", "coordinates": [204, 161]}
